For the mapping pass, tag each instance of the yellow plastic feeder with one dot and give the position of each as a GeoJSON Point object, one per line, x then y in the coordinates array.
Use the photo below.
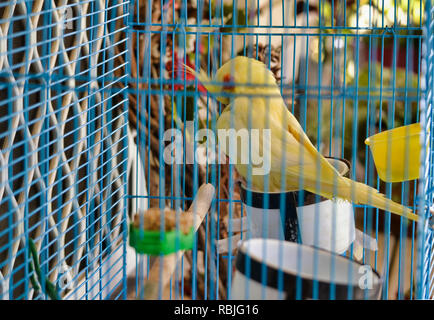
{"type": "Point", "coordinates": [396, 153]}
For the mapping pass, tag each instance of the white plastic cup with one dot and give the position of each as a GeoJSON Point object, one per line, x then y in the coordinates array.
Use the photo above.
{"type": "Point", "coordinates": [274, 269]}
{"type": "Point", "coordinates": [319, 222]}
{"type": "Point", "coordinates": [267, 217]}
{"type": "Point", "coordinates": [327, 225]}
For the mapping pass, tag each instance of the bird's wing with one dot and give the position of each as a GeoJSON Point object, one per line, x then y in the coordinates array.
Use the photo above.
{"type": "Point", "coordinates": [290, 149]}
{"type": "Point", "coordinates": [298, 157]}
{"type": "Point", "coordinates": [245, 113]}
{"type": "Point", "coordinates": [295, 129]}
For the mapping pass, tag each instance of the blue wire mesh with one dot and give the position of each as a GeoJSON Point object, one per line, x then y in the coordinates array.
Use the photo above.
{"type": "Point", "coordinates": [426, 236]}
{"type": "Point", "coordinates": [68, 73]}
{"type": "Point", "coordinates": [63, 152]}
{"type": "Point", "coordinates": [346, 70]}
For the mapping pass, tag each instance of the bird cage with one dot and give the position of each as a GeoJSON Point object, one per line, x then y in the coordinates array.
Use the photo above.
{"type": "Point", "coordinates": [210, 149]}
{"type": "Point", "coordinates": [348, 71]}
{"type": "Point", "coordinates": [63, 156]}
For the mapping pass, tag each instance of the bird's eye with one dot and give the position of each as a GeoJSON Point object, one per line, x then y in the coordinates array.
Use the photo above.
{"type": "Point", "coordinates": [229, 82]}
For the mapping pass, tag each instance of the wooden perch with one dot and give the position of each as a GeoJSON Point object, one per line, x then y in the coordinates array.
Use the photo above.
{"type": "Point", "coordinates": [159, 277]}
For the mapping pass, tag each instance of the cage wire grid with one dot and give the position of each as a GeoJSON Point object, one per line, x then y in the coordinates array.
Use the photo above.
{"type": "Point", "coordinates": [426, 238]}
{"type": "Point", "coordinates": [64, 149]}
{"type": "Point", "coordinates": [346, 70]}
{"type": "Point", "coordinates": [89, 88]}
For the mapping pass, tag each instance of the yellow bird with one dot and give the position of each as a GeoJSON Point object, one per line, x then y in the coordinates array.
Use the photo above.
{"type": "Point", "coordinates": [254, 102]}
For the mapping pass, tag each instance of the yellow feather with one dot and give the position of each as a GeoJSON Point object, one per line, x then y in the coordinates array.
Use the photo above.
{"type": "Point", "coordinates": [292, 153]}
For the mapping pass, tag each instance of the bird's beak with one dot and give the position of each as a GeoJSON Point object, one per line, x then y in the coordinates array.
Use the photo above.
{"type": "Point", "coordinates": [202, 77]}
{"type": "Point", "coordinates": [223, 100]}
{"type": "Point", "coordinates": [226, 109]}
{"type": "Point", "coordinates": [207, 83]}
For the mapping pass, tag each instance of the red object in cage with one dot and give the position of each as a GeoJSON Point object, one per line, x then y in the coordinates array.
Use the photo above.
{"type": "Point", "coordinates": [179, 73]}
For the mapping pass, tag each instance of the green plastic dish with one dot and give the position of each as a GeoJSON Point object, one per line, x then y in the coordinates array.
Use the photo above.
{"type": "Point", "coordinates": [150, 242]}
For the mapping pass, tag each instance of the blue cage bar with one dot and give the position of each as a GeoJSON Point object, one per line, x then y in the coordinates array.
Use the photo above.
{"type": "Point", "coordinates": [63, 149]}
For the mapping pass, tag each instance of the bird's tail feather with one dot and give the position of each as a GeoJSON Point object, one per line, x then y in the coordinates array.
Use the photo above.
{"type": "Point", "coordinates": [363, 194]}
